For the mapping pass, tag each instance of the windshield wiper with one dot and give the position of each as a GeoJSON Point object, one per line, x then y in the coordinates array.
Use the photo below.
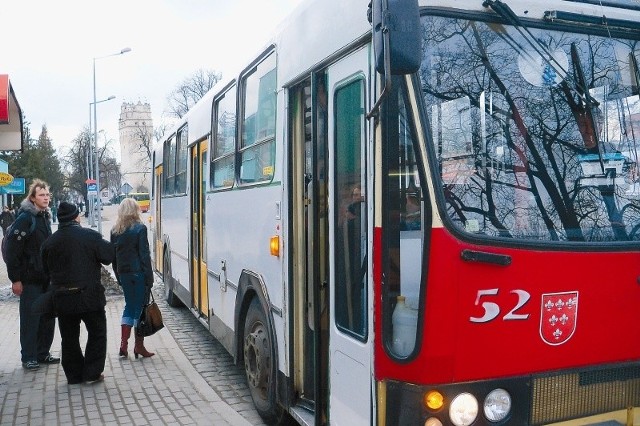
{"type": "Point", "coordinates": [584, 116]}
{"type": "Point", "coordinates": [636, 71]}
{"type": "Point", "coordinates": [506, 13]}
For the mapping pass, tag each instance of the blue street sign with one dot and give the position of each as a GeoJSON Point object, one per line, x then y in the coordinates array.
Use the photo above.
{"type": "Point", "coordinates": [92, 189]}
{"type": "Point", "coordinates": [15, 187]}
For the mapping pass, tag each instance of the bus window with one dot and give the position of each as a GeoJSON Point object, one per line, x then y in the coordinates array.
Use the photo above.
{"type": "Point", "coordinates": [181, 161]}
{"type": "Point", "coordinates": [351, 218]}
{"type": "Point", "coordinates": [259, 123]}
{"type": "Point", "coordinates": [224, 142]}
{"type": "Point", "coordinates": [402, 231]}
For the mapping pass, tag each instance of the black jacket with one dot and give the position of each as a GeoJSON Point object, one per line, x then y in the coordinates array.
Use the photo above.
{"type": "Point", "coordinates": [72, 257]}
{"type": "Point", "coordinates": [23, 247]}
{"type": "Point", "coordinates": [132, 252]}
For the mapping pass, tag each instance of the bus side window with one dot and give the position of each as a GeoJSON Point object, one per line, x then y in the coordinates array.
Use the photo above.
{"type": "Point", "coordinates": [257, 146]}
{"type": "Point", "coordinates": [224, 141]}
{"type": "Point", "coordinates": [350, 215]}
{"type": "Point", "coordinates": [403, 224]}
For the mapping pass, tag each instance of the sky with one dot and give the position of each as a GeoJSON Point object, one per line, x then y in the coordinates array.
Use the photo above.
{"type": "Point", "coordinates": [49, 49]}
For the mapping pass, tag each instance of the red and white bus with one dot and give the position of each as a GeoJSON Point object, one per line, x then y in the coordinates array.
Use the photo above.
{"type": "Point", "coordinates": [420, 213]}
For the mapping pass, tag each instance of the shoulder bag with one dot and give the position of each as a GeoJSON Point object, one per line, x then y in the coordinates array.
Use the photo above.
{"type": "Point", "coordinates": [150, 318]}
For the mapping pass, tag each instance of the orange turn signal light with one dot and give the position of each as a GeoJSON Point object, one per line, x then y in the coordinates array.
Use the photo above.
{"type": "Point", "coordinates": [434, 400]}
{"type": "Point", "coordinates": [274, 246]}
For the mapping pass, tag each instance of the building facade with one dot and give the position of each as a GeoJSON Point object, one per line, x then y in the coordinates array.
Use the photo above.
{"type": "Point", "coordinates": [136, 143]}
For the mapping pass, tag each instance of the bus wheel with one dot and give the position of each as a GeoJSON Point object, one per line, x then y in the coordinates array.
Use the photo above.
{"type": "Point", "coordinates": [259, 365]}
{"type": "Point", "coordinates": [171, 299]}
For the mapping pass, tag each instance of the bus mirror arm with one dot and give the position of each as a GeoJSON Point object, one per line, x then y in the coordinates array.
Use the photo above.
{"type": "Point", "coordinates": [397, 37]}
{"type": "Point", "coordinates": [387, 77]}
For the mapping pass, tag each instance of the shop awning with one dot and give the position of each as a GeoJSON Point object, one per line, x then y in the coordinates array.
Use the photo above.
{"type": "Point", "coordinates": [11, 136]}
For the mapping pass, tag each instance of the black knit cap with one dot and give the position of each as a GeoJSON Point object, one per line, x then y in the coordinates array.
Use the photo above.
{"type": "Point", "coordinates": [67, 212]}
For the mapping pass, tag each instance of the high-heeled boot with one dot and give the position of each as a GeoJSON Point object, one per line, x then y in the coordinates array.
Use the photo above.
{"type": "Point", "coordinates": [139, 348]}
{"type": "Point", "coordinates": [124, 340]}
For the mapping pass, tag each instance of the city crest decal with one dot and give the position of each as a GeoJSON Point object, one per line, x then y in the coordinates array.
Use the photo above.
{"type": "Point", "coordinates": [558, 318]}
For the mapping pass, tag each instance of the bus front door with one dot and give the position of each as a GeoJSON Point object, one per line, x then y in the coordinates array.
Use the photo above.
{"type": "Point", "coordinates": [351, 322]}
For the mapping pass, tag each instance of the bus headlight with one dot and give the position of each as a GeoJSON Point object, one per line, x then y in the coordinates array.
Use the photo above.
{"type": "Point", "coordinates": [497, 405]}
{"type": "Point", "coordinates": [463, 410]}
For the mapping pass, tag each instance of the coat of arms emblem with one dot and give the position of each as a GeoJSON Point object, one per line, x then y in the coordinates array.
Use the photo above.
{"type": "Point", "coordinates": [558, 318]}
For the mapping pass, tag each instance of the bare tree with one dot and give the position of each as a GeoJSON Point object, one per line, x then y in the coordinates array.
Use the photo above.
{"type": "Point", "coordinates": [160, 131]}
{"type": "Point", "coordinates": [77, 162]}
{"type": "Point", "coordinates": [142, 143]}
{"type": "Point", "coordinates": [190, 91]}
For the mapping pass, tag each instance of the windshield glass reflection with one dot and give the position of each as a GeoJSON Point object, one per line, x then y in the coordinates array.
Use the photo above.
{"type": "Point", "coordinates": [535, 133]}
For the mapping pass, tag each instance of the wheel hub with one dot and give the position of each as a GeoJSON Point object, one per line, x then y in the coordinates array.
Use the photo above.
{"type": "Point", "coordinates": [256, 359]}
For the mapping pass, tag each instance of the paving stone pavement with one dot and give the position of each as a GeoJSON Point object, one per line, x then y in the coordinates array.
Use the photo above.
{"type": "Point", "coordinates": [190, 381]}
{"type": "Point", "coordinates": [164, 389]}
{"type": "Point", "coordinates": [210, 359]}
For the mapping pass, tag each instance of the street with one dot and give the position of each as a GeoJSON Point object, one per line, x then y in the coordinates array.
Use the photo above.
{"type": "Point", "coordinates": [191, 379]}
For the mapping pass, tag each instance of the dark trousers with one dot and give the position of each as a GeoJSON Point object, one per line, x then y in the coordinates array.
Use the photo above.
{"type": "Point", "coordinates": [78, 367]}
{"type": "Point", "coordinates": [36, 331]}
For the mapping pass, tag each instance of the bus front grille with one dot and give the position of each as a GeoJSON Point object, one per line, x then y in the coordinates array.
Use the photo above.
{"type": "Point", "coordinates": [578, 394]}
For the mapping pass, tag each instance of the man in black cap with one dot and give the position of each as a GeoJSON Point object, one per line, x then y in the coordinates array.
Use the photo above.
{"type": "Point", "coordinates": [72, 258]}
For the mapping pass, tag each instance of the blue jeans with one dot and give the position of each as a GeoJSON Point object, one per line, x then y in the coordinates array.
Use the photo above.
{"type": "Point", "coordinates": [36, 331]}
{"type": "Point", "coordinates": [134, 291]}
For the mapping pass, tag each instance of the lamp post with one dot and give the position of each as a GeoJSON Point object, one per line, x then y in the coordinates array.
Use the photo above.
{"type": "Point", "coordinates": [95, 135]}
{"type": "Point", "coordinates": [90, 174]}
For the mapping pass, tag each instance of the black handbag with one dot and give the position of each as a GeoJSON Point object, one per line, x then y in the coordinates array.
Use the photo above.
{"type": "Point", "coordinates": [150, 319]}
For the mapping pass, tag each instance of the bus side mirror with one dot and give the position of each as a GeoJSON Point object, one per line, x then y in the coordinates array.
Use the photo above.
{"type": "Point", "coordinates": [399, 20]}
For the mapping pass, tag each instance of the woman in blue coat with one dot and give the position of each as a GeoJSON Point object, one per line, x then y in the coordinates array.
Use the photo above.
{"type": "Point", "coordinates": [132, 267]}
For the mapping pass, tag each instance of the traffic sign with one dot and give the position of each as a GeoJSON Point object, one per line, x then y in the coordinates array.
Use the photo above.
{"type": "Point", "coordinates": [126, 188]}
{"type": "Point", "coordinates": [92, 189]}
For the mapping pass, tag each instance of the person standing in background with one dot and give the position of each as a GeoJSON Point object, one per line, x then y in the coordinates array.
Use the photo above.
{"type": "Point", "coordinates": [54, 211]}
{"type": "Point", "coordinates": [6, 219]}
{"type": "Point", "coordinates": [132, 268]}
{"type": "Point", "coordinates": [73, 257]}
{"type": "Point", "coordinates": [27, 276]}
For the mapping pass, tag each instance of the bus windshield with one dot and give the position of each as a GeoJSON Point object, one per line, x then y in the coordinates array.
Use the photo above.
{"type": "Point", "coordinates": [535, 132]}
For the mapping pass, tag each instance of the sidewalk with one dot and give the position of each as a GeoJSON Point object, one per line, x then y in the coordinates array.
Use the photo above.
{"type": "Point", "coordinates": [164, 389]}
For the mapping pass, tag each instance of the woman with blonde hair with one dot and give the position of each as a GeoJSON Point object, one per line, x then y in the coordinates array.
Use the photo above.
{"type": "Point", "coordinates": [133, 271]}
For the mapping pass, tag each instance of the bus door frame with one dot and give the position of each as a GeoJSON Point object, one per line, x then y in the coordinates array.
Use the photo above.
{"type": "Point", "coordinates": [198, 269]}
{"type": "Point", "coordinates": [157, 220]}
{"type": "Point", "coordinates": [309, 176]}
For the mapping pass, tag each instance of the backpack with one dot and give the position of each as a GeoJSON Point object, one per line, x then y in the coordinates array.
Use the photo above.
{"type": "Point", "coordinates": [10, 230]}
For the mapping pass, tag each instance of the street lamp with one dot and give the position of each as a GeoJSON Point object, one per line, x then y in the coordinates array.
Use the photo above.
{"type": "Point", "coordinates": [95, 133]}
{"type": "Point", "coordinates": [90, 173]}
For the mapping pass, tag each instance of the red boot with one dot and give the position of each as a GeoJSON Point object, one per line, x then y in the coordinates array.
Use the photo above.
{"type": "Point", "coordinates": [124, 340]}
{"type": "Point", "coordinates": [139, 348]}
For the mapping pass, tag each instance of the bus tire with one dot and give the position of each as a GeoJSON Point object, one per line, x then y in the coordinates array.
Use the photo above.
{"type": "Point", "coordinates": [259, 365]}
{"type": "Point", "coordinates": [169, 296]}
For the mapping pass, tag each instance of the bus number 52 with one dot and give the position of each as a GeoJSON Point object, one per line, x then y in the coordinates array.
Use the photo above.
{"type": "Point", "coordinates": [492, 309]}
